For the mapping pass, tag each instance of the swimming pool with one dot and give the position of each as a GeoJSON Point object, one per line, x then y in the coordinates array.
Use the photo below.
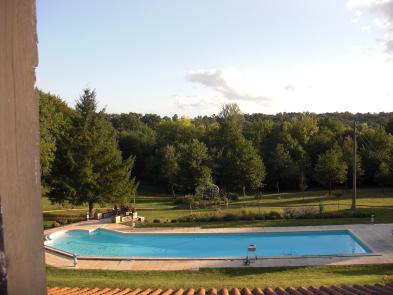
{"type": "Point", "coordinates": [104, 243]}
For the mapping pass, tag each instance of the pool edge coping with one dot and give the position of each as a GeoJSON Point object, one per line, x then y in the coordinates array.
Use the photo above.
{"type": "Point", "coordinates": [48, 240]}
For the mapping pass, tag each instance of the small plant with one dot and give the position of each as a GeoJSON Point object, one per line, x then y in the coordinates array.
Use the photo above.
{"type": "Point", "coordinates": [321, 208]}
{"type": "Point", "coordinates": [289, 212]}
{"type": "Point", "coordinates": [207, 190]}
{"type": "Point", "coordinates": [233, 196]}
{"type": "Point", "coordinates": [273, 215]}
{"type": "Point", "coordinates": [308, 212]}
{"type": "Point", "coordinates": [230, 217]}
{"type": "Point", "coordinates": [259, 196]}
{"type": "Point", "coordinates": [338, 195]}
{"type": "Point", "coordinates": [156, 221]}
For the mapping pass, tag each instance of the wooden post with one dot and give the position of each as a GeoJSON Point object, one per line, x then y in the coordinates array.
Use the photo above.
{"type": "Point", "coordinates": [354, 190]}
{"type": "Point", "coordinates": [20, 187]}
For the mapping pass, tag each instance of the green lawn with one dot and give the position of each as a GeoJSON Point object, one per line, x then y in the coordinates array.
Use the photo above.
{"type": "Point", "coordinates": [371, 201]}
{"type": "Point", "coordinates": [218, 278]}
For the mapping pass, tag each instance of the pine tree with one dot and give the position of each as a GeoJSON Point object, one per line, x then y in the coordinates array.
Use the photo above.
{"type": "Point", "coordinates": [89, 166]}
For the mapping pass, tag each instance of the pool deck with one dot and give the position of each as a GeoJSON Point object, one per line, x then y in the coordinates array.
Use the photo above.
{"type": "Point", "coordinates": [377, 237]}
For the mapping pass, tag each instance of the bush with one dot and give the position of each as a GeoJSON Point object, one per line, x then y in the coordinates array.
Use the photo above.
{"type": "Point", "coordinates": [156, 221]}
{"type": "Point", "coordinates": [273, 215]}
{"type": "Point", "coordinates": [233, 196]}
{"type": "Point", "coordinates": [62, 221]}
{"type": "Point", "coordinates": [247, 217]}
{"type": "Point", "coordinates": [307, 212]}
{"type": "Point", "coordinates": [230, 217]}
{"type": "Point", "coordinates": [338, 194]}
{"type": "Point", "coordinates": [188, 201]}
{"type": "Point", "coordinates": [321, 209]}
{"type": "Point", "coordinates": [289, 212]}
{"type": "Point", "coordinates": [259, 196]}
{"type": "Point", "coordinates": [207, 191]}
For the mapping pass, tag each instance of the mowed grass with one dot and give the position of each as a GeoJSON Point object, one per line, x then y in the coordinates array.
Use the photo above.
{"type": "Point", "coordinates": [224, 277]}
{"type": "Point", "coordinates": [370, 201]}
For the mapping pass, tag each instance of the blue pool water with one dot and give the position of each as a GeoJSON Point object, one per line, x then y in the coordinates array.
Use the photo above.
{"type": "Point", "coordinates": [107, 243]}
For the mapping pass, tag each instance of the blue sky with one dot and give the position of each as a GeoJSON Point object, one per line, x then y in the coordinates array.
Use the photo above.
{"type": "Point", "coordinates": [190, 57]}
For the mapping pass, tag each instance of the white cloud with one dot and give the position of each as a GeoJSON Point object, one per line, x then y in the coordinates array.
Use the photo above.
{"type": "Point", "coordinates": [289, 87]}
{"type": "Point", "coordinates": [221, 81]}
{"type": "Point", "coordinates": [366, 3]}
{"type": "Point", "coordinates": [188, 104]}
{"type": "Point", "coordinates": [389, 47]}
{"type": "Point", "coordinates": [383, 9]}
{"type": "Point", "coordinates": [356, 17]}
{"type": "Point", "coordinates": [366, 29]}
{"type": "Point", "coordinates": [360, 83]}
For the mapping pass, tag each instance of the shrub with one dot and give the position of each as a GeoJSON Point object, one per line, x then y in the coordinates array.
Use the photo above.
{"type": "Point", "coordinates": [61, 221]}
{"type": "Point", "coordinates": [247, 217]}
{"type": "Point", "coordinates": [156, 221]}
{"type": "Point", "coordinates": [259, 196]}
{"type": "Point", "coordinates": [214, 218]}
{"type": "Point", "coordinates": [273, 215]}
{"type": "Point", "coordinates": [207, 191]}
{"type": "Point", "coordinates": [302, 212]}
{"type": "Point", "coordinates": [230, 217]}
{"type": "Point", "coordinates": [289, 212]}
{"type": "Point", "coordinates": [260, 216]}
{"type": "Point", "coordinates": [184, 200]}
{"type": "Point", "coordinates": [307, 212]}
{"type": "Point", "coordinates": [338, 194]}
{"type": "Point", "coordinates": [321, 208]}
{"type": "Point", "coordinates": [233, 196]}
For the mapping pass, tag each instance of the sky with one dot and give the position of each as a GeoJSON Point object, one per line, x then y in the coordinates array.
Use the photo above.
{"type": "Point", "coordinates": [190, 57]}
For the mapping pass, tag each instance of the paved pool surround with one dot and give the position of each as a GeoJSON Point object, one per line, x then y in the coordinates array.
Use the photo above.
{"type": "Point", "coordinates": [377, 238]}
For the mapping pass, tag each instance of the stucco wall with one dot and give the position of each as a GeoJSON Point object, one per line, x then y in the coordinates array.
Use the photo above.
{"type": "Point", "coordinates": [19, 149]}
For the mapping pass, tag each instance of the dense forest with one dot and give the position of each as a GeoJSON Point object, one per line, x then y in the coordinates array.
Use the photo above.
{"type": "Point", "coordinates": [87, 152]}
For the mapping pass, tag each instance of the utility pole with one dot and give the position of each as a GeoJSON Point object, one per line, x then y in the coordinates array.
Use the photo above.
{"type": "Point", "coordinates": [354, 192]}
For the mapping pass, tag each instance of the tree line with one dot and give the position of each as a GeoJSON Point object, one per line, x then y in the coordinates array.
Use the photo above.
{"type": "Point", "coordinates": [87, 155]}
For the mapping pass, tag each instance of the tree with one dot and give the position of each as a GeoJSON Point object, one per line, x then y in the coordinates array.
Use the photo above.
{"type": "Point", "coordinates": [376, 149]}
{"type": "Point", "coordinates": [151, 120]}
{"type": "Point", "coordinates": [389, 127]}
{"type": "Point", "coordinates": [384, 175]}
{"type": "Point", "coordinates": [240, 167]}
{"type": "Point", "coordinates": [207, 190]}
{"type": "Point", "coordinates": [89, 166]}
{"type": "Point", "coordinates": [176, 132]}
{"type": "Point", "coordinates": [331, 168]}
{"type": "Point", "coordinates": [169, 166]}
{"type": "Point", "coordinates": [249, 167]}
{"type": "Point", "coordinates": [303, 128]}
{"type": "Point", "coordinates": [231, 119]}
{"type": "Point", "coordinates": [257, 132]}
{"type": "Point", "coordinates": [238, 164]}
{"type": "Point", "coordinates": [194, 165]}
{"type": "Point", "coordinates": [282, 167]}
{"type": "Point", "coordinates": [54, 121]}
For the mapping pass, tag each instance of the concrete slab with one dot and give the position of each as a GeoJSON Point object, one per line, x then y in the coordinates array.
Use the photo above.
{"type": "Point", "coordinates": [377, 237]}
